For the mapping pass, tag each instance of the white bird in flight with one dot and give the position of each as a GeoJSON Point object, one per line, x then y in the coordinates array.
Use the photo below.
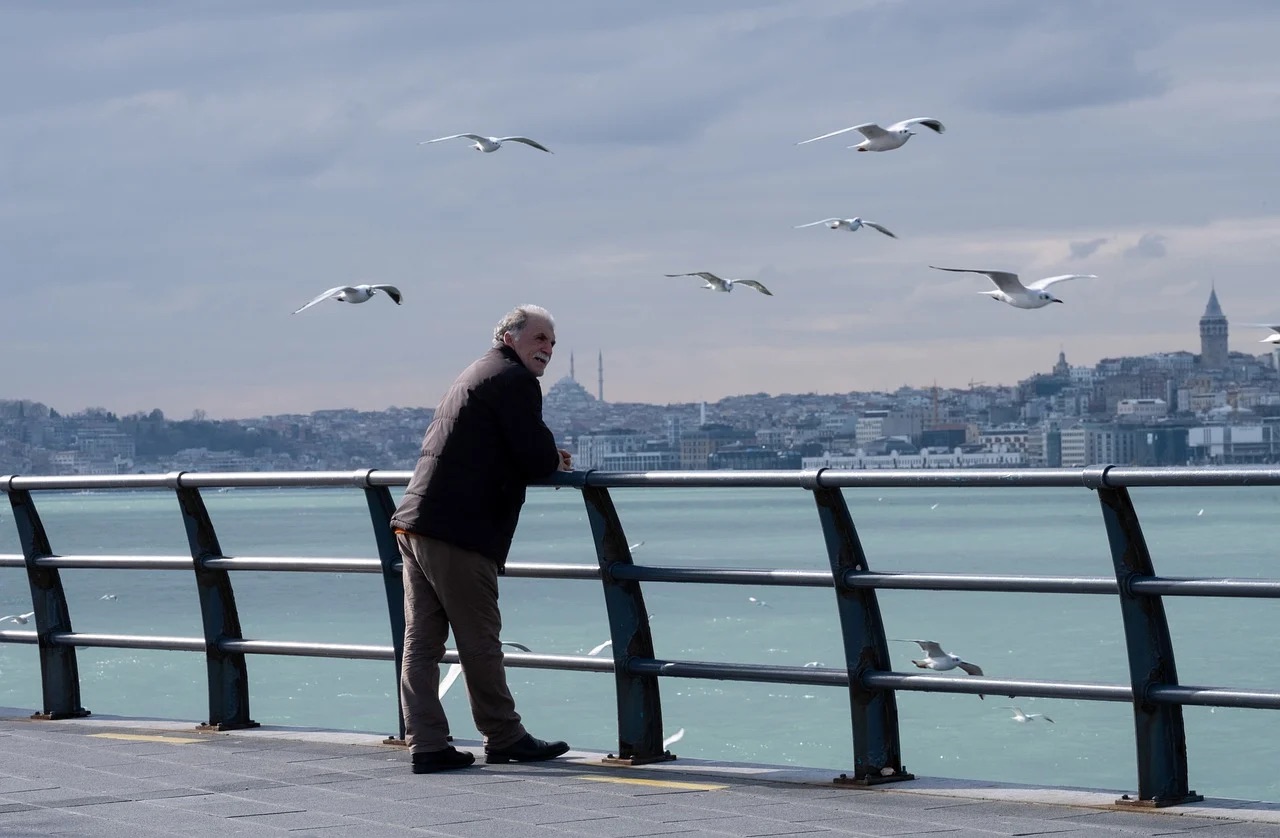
{"type": "Point", "coordinates": [715, 283]}
{"type": "Point", "coordinates": [489, 144]}
{"type": "Point", "coordinates": [1010, 290]}
{"type": "Point", "coordinates": [851, 224]}
{"type": "Point", "coordinates": [20, 619]}
{"type": "Point", "coordinates": [673, 738]}
{"type": "Point", "coordinates": [455, 669]}
{"type": "Point", "coordinates": [1019, 716]}
{"type": "Point", "coordinates": [884, 139]}
{"type": "Point", "coordinates": [598, 649]}
{"type": "Point", "coordinates": [937, 659]}
{"type": "Point", "coordinates": [356, 294]}
{"type": "Point", "coordinates": [1273, 338]}
{"type": "Point", "coordinates": [108, 596]}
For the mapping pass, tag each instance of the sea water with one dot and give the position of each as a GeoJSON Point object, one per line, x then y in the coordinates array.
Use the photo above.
{"type": "Point", "coordinates": [1219, 532]}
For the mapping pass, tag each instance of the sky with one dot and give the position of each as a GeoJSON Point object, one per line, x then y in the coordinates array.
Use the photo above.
{"type": "Point", "coordinates": [177, 178]}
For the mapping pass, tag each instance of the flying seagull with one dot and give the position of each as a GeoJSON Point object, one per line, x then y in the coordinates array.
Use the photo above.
{"type": "Point", "coordinates": [1274, 337]}
{"type": "Point", "coordinates": [715, 283]}
{"type": "Point", "coordinates": [356, 294]}
{"type": "Point", "coordinates": [884, 139]}
{"type": "Point", "coordinates": [20, 619]}
{"type": "Point", "coordinates": [851, 224]}
{"type": "Point", "coordinates": [455, 669]}
{"type": "Point", "coordinates": [1010, 290]}
{"type": "Point", "coordinates": [1019, 716]}
{"type": "Point", "coordinates": [940, 661]}
{"type": "Point", "coordinates": [489, 144]}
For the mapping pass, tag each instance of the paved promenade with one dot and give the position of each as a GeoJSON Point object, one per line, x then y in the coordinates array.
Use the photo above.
{"type": "Point", "coordinates": [130, 777]}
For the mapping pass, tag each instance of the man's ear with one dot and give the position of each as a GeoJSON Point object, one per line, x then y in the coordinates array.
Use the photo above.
{"type": "Point", "coordinates": [507, 339]}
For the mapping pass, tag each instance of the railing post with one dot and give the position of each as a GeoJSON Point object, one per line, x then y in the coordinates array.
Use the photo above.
{"type": "Point", "coordinates": [228, 673]}
{"type": "Point", "coordinates": [1159, 732]}
{"type": "Point", "coordinates": [877, 752]}
{"type": "Point", "coordinates": [639, 704]}
{"type": "Point", "coordinates": [59, 674]}
{"type": "Point", "coordinates": [381, 508]}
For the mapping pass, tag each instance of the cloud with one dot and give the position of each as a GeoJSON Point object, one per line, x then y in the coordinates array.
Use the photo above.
{"type": "Point", "coordinates": [1085, 249]}
{"type": "Point", "coordinates": [1149, 246]}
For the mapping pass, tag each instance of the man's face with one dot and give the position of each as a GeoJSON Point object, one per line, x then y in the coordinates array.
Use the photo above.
{"type": "Point", "coordinates": [533, 344]}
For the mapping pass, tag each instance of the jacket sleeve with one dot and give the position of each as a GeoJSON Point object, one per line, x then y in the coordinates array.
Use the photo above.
{"type": "Point", "coordinates": [528, 437]}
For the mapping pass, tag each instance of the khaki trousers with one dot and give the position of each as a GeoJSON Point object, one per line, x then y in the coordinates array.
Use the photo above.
{"type": "Point", "coordinates": [446, 586]}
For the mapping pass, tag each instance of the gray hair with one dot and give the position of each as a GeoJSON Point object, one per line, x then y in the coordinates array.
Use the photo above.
{"type": "Point", "coordinates": [516, 319]}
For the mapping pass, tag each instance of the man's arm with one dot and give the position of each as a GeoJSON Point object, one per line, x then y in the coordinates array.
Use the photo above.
{"type": "Point", "coordinates": [528, 437]}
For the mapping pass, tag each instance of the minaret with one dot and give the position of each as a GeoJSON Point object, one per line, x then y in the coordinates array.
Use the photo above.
{"type": "Point", "coordinates": [600, 377]}
{"type": "Point", "coordinates": [1213, 335]}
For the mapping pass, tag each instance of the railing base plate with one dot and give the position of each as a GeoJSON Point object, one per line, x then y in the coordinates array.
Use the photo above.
{"type": "Point", "coordinates": [392, 740]}
{"type": "Point", "coordinates": [872, 779]}
{"type": "Point", "coordinates": [665, 756]}
{"type": "Point", "coordinates": [227, 726]}
{"type": "Point", "coordinates": [1160, 802]}
{"type": "Point", "coordinates": [53, 717]}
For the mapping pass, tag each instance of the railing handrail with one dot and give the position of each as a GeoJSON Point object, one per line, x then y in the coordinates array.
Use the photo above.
{"type": "Point", "coordinates": [1154, 691]}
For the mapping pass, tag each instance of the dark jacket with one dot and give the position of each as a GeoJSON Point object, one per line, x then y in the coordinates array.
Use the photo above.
{"type": "Point", "coordinates": [484, 445]}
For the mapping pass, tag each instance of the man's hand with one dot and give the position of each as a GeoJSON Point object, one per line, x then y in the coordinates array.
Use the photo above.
{"type": "Point", "coordinates": [566, 460]}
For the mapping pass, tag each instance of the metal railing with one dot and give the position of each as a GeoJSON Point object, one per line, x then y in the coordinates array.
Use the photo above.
{"type": "Point", "coordinates": [1153, 690]}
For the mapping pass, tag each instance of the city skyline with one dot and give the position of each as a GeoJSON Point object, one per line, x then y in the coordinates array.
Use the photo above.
{"type": "Point", "coordinates": [174, 181]}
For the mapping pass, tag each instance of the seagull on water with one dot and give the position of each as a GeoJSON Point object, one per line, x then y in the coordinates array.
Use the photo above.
{"type": "Point", "coordinates": [1019, 716]}
{"type": "Point", "coordinates": [1273, 338]}
{"type": "Point", "coordinates": [884, 139]}
{"type": "Point", "coordinates": [489, 144]}
{"type": "Point", "coordinates": [1009, 289]}
{"type": "Point", "coordinates": [760, 602]}
{"type": "Point", "coordinates": [20, 619]}
{"type": "Point", "coordinates": [940, 661]}
{"type": "Point", "coordinates": [356, 294]}
{"type": "Point", "coordinates": [108, 596]}
{"type": "Point", "coordinates": [715, 283]}
{"type": "Point", "coordinates": [851, 224]}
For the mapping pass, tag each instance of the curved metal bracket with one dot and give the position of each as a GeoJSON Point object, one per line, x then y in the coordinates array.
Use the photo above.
{"type": "Point", "coordinates": [1159, 732]}
{"type": "Point", "coordinates": [381, 508]}
{"type": "Point", "coordinates": [227, 671]}
{"type": "Point", "coordinates": [59, 673]}
{"type": "Point", "coordinates": [877, 753]}
{"type": "Point", "coordinates": [639, 702]}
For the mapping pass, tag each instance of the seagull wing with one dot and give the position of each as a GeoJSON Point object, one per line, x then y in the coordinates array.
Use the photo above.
{"type": "Point", "coordinates": [332, 292]}
{"type": "Point", "coordinates": [475, 137]}
{"type": "Point", "coordinates": [881, 228]}
{"type": "Point", "coordinates": [971, 668]}
{"type": "Point", "coordinates": [673, 738]}
{"type": "Point", "coordinates": [931, 648]}
{"type": "Point", "coordinates": [1041, 284]}
{"type": "Point", "coordinates": [816, 223]}
{"type": "Point", "coordinates": [1270, 326]}
{"type": "Point", "coordinates": [1005, 281]}
{"type": "Point", "coordinates": [598, 649]}
{"type": "Point", "coordinates": [455, 669]}
{"type": "Point", "coordinates": [863, 128]}
{"type": "Point", "coordinates": [707, 275]}
{"type": "Point", "coordinates": [926, 121]}
{"type": "Point", "coordinates": [1046, 718]}
{"type": "Point", "coordinates": [751, 283]}
{"type": "Point", "coordinates": [526, 141]}
{"type": "Point", "coordinates": [391, 291]}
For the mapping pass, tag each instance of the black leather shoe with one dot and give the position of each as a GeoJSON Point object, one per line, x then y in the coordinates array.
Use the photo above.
{"type": "Point", "coordinates": [429, 762]}
{"type": "Point", "coordinates": [525, 749]}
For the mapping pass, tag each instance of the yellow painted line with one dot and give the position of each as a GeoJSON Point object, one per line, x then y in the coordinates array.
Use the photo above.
{"type": "Point", "coordinates": [142, 737]}
{"type": "Point", "coordinates": [661, 784]}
